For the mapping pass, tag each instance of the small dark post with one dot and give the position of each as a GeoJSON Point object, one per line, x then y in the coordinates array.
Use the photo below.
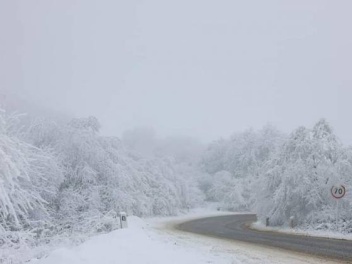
{"type": "Point", "coordinates": [292, 221]}
{"type": "Point", "coordinates": [267, 223]}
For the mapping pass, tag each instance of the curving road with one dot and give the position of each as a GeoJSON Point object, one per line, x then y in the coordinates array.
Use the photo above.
{"type": "Point", "coordinates": [235, 227]}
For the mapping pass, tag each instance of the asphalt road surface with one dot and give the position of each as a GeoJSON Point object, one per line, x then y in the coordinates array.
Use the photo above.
{"type": "Point", "coordinates": [235, 227]}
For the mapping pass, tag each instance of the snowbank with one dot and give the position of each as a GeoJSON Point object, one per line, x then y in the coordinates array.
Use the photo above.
{"type": "Point", "coordinates": [137, 244]}
{"type": "Point", "coordinates": [297, 231]}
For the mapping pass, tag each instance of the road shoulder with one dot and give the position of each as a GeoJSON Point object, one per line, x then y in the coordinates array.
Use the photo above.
{"type": "Point", "coordinates": [241, 251]}
{"type": "Point", "coordinates": [300, 232]}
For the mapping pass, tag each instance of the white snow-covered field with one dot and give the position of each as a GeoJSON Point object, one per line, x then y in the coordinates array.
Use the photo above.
{"type": "Point", "coordinates": [156, 241]}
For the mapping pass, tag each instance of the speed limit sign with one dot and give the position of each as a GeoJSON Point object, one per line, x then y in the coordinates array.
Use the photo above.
{"type": "Point", "coordinates": [338, 191]}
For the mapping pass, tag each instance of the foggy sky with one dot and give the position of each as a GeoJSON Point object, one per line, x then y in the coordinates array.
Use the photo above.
{"type": "Point", "coordinates": [201, 68]}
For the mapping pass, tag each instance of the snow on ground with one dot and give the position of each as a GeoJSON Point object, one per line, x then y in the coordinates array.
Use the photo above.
{"type": "Point", "coordinates": [157, 241]}
{"type": "Point", "coordinates": [296, 231]}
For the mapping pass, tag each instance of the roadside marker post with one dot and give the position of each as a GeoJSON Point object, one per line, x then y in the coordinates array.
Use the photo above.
{"type": "Point", "coordinates": [123, 220]}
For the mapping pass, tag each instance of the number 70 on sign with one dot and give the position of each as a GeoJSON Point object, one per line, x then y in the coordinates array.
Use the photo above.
{"type": "Point", "coordinates": [338, 192]}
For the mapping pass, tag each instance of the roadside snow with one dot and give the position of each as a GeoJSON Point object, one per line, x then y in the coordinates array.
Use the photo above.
{"type": "Point", "coordinates": [157, 241]}
{"type": "Point", "coordinates": [296, 231]}
{"type": "Point", "coordinates": [137, 244]}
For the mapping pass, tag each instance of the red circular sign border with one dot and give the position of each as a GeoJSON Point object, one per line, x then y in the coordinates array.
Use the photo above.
{"type": "Point", "coordinates": [344, 193]}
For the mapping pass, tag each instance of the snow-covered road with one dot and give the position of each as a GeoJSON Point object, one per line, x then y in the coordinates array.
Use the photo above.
{"type": "Point", "coordinates": [234, 227]}
{"type": "Point", "coordinates": [157, 241]}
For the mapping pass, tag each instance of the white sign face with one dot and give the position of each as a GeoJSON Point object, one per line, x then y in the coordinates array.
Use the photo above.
{"type": "Point", "coordinates": [338, 191]}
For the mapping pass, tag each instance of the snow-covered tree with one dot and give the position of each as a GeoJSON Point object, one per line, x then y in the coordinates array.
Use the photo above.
{"type": "Point", "coordinates": [238, 162]}
{"type": "Point", "coordinates": [298, 178]}
{"type": "Point", "coordinates": [28, 179]}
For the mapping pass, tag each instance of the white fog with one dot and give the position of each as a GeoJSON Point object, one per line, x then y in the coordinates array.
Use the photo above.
{"type": "Point", "coordinates": [162, 108]}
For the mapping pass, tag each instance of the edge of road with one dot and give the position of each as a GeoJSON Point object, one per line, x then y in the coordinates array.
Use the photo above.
{"type": "Point", "coordinates": [256, 226]}
{"type": "Point", "coordinates": [271, 254]}
{"type": "Point", "coordinates": [249, 226]}
{"type": "Point", "coordinates": [298, 232]}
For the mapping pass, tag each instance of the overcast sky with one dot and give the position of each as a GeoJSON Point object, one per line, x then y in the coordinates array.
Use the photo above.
{"type": "Point", "coordinates": [202, 68]}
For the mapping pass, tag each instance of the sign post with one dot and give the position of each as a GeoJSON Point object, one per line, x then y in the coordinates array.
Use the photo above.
{"type": "Point", "coordinates": [338, 192]}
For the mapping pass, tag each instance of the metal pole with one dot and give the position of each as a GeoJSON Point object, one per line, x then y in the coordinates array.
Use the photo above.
{"type": "Point", "coordinates": [337, 214]}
